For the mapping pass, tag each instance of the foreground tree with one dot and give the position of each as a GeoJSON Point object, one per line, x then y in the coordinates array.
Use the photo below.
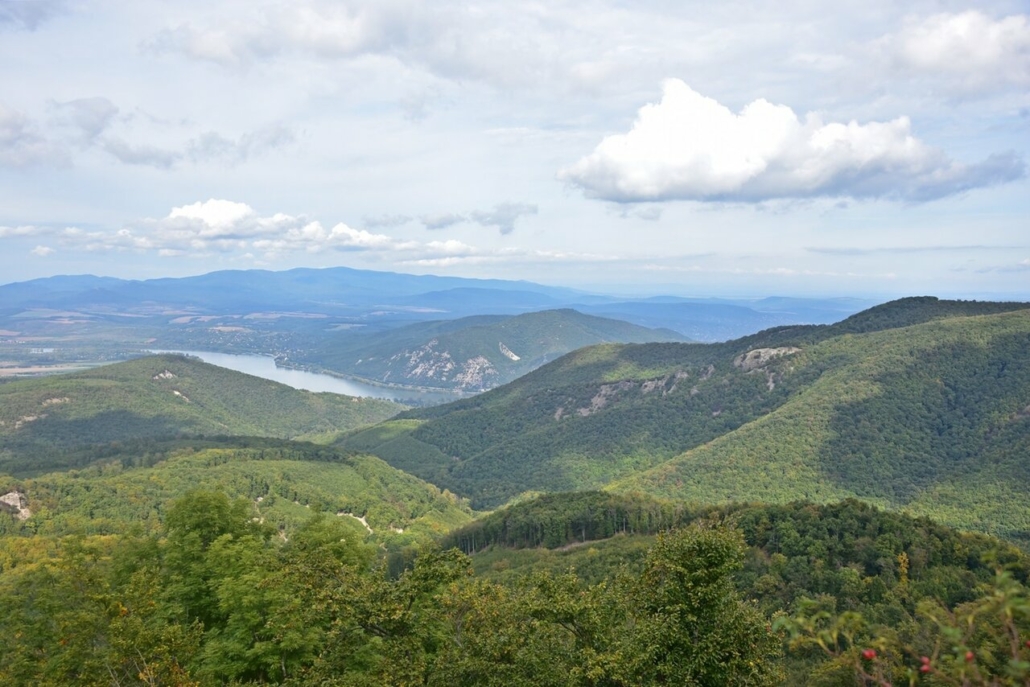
{"type": "Point", "coordinates": [691, 626]}
{"type": "Point", "coordinates": [983, 643]}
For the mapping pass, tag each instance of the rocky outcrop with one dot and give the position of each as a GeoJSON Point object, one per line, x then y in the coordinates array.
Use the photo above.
{"type": "Point", "coordinates": [429, 365]}
{"type": "Point", "coordinates": [476, 373]}
{"type": "Point", "coordinates": [507, 352]}
{"type": "Point", "coordinates": [601, 398]}
{"type": "Point", "coordinates": [14, 502]}
{"type": "Point", "coordinates": [760, 357]}
{"type": "Point", "coordinates": [425, 362]}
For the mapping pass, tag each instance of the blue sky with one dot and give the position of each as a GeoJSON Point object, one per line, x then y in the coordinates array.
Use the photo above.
{"type": "Point", "coordinates": [730, 148]}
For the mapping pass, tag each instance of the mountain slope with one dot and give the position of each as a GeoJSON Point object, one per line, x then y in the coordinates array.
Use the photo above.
{"type": "Point", "coordinates": [475, 353]}
{"type": "Point", "coordinates": [934, 418]}
{"type": "Point", "coordinates": [920, 404]}
{"type": "Point", "coordinates": [283, 480]}
{"type": "Point", "coordinates": [43, 422]}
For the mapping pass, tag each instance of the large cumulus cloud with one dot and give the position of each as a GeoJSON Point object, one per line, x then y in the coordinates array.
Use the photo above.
{"type": "Point", "coordinates": [690, 147]}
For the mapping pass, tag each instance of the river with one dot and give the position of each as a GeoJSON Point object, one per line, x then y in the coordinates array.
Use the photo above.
{"type": "Point", "coordinates": [265, 367]}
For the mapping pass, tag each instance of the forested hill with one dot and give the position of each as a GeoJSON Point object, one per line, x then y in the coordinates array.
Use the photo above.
{"type": "Point", "coordinates": [212, 596]}
{"type": "Point", "coordinates": [56, 422]}
{"type": "Point", "coordinates": [919, 404]}
{"type": "Point", "coordinates": [284, 482]}
{"type": "Point", "coordinates": [879, 567]}
{"type": "Point", "coordinates": [474, 353]}
{"type": "Point", "coordinates": [821, 548]}
{"type": "Point", "coordinates": [917, 310]}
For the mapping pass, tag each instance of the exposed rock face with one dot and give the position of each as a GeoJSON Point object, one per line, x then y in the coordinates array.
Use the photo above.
{"type": "Point", "coordinates": [608, 392]}
{"type": "Point", "coordinates": [15, 502]}
{"type": "Point", "coordinates": [760, 357]}
{"type": "Point", "coordinates": [663, 383]}
{"type": "Point", "coordinates": [164, 375]}
{"type": "Point", "coordinates": [427, 363]}
{"type": "Point", "coordinates": [476, 373]}
{"type": "Point", "coordinates": [508, 352]}
{"type": "Point", "coordinates": [22, 421]}
{"type": "Point", "coordinates": [651, 384]}
{"type": "Point", "coordinates": [600, 399]}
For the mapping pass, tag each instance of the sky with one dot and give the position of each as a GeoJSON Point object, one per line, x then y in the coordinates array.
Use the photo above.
{"type": "Point", "coordinates": [702, 149]}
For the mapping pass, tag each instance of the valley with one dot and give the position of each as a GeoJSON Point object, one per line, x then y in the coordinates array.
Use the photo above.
{"type": "Point", "coordinates": [872, 466]}
{"type": "Point", "coordinates": [348, 343]}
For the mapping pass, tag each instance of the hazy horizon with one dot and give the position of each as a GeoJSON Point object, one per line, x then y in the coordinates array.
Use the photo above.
{"type": "Point", "coordinates": [637, 291]}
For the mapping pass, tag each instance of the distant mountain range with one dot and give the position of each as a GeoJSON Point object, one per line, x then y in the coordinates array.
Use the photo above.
{"type": "Point", "coordinates": [279, 308]}
{"type": "Point", "coordinates": [338, 290]}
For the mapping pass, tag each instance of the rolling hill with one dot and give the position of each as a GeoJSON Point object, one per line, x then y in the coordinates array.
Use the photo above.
{"type": "Point", "coordinates": [918, 404]}
{"type": "Point", "coordinates": [57, 422]}
{"type": "Point", "coordinates": [474, 353]}
{"type": "Point", "coordinates": [285, 482]}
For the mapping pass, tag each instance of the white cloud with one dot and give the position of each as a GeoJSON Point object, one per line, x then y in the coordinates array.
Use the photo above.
{"type": "Point", "coordinates": [224, 226]}
{"type": "Point", "coordinates": [649, 213]}
{"type": "Point", "coordinates": [450, 247]}
{"type": "Point", "coordinates": [216, 214]}
{"type": "Point", "coordinates": [42, 251]}
{"type": "Point", "coordinates": [503, 215]}
{"type": "Point", "coordinates": [463, 254]}
{"type": "Point", "coordinates": [213, 146]}
{"type": "Point", "coordinates": [90, 116]}
{"type": "Point", "coordinates": [442, 220]}
{"type": "Point", "coordinates": [97, 123]}
{"type": "Point", "coordinates": [24, 230]}
{"type": "Point", "coordinates": [690, 147]}
{"type": "Point", "coordinates": [229, 228]}
{"type": "Point", "coordinates": [21, 143]}
{"type": "Point", "coordinates": [386, 220]}
{"type": "Point", "coordinates": [971, 50]}
{"type": "Point", "coordinates": [141, 154]}
{"type": "Point", "coordinates": [518, 45]}
{"type": "Point", "coordinates": [335, 30]}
